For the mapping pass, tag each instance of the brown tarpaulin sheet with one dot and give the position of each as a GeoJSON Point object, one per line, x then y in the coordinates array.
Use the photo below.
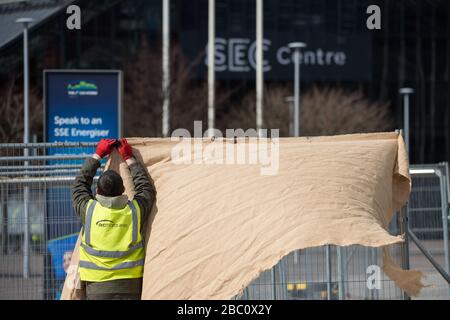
{"type": "Point", "coordinates": [215, 227]}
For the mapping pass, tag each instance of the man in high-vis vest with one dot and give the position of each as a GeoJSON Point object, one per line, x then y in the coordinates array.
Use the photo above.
{"type": "Point", "coordinates": [112, 248]}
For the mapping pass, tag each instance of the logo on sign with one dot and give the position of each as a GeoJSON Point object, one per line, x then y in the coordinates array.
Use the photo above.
{"type": "Point", "coordinates": [82, 88]}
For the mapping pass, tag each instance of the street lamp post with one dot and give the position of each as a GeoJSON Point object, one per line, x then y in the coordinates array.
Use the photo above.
{"type": "Point", "coordinates": [290, 101]}
{"type": "Point", "coordinates": [166, 67]}
{"type": "Point", "coordinates": [259, 66]}
{"type": "Point", "coordinates": [403, 214]}
{"type": "Point", "coordinates": [25, 22]}
{"type": "Point", "coordinates": [211, 65]}
{"type": "Point", "coordinates": [26, 134]}
{"type": "Point", "coordinates": [296, 46]}
{"type": "Point", "coordinates": [405, 92]}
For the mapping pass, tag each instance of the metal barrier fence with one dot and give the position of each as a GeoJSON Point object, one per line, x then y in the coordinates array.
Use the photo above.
{"type": "Point", "coordinates": [325, 273]}
{"type": "Point", "coordinates": [39, 226]}
{"type": "Point", "coordinates": [39, 229]}
{"type": "Point", "coordinates": [429, 221]}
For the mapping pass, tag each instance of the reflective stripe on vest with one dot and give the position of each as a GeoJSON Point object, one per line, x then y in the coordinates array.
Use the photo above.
{"type": "Point", "coordinates": [123, 265]}
{"type": "Point", "coordinates": [135, 221]}
{"type": "Point", "coordinates": [111, 254]}
{"type": "Point", "coordinates": [88, 221]}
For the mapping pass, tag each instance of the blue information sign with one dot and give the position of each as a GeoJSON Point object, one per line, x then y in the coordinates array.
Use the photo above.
{"type": "Point", "coordinates": [82, 105]}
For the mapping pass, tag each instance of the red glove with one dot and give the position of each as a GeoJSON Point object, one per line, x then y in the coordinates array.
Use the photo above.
{"type": "Point", "coordinates": [105, 147]}
{"type": "Point", "coordinates": [125, 149]}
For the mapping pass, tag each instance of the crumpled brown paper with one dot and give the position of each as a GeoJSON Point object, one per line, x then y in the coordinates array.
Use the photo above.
{"type": "Point", "coordinates": [216, 227]}
{"type": "Point", "coordinates": [73, 286]}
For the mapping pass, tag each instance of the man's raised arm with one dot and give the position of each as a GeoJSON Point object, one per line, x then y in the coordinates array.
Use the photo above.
{"type": "Point", "coordinates": [144, 190]}
{"type": "Point", "coordinates": [82, 188]}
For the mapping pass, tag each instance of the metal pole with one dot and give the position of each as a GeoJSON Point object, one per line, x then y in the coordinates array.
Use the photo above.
{"type": "Point", "coordinates": [328, 258]}
{"type": "Point", "coordinates": [4, 196]}
{"type": "Point", "coordinates": [402, 220]}
{"type": "Point", "coordinates": [290, 101]}
{"type": "Point", "coordinates": [274, 285]}
{"type": "Point", "coordinates": [48, 145]}
{"type": "Point", "coordinates": [404, 247]}
{"type": "Point", "coordinates": [259, 66]}
{"type": "Point", "coordinates": [296, 46]}
{"type": "Point", "coordinates": [31, 158]}
{"type": "Point", "coordinates": [26, 238]}
{"type": "Point", "coordinates": [447, 189]}
{"type": "Point", "coordinates": [341, 272]}
{"type": "Point", "coordinates": [406, 120]}
{"type": "Point", "coordinates": [50, 179]}
{"type": "Point", "coordinates": [4, 170]}
{"type": "Point", "coordinates": [444, 210]}
{"type": "Point", "coordinates": [26, 135]}
{"type": "Point", "coordinates": [406, 92]}
{"type": "Point", "coordinates": [282, 267]}
{"type": "Point", "coordinates": [211, 65]}
{"type": "Point", "coordinates": [165, 67]}
{"type": "Point", "coordinates": [366, 265]}
{"type": "Point", "coordinates": [297, 93]}
{"type": "Point", "coordinates": [374, 253]}
{"type": "Point", "coordinates": [291, 116]}
{"type": "Point", "coordinates": [246, 295]}
{"type": "Point", "coordinates": [26, 103]}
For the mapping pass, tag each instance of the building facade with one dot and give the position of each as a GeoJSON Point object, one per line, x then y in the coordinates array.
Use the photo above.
{"type": "Point", "coordinates": [411, 49]}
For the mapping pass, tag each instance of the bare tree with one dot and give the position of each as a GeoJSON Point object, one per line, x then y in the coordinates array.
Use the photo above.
{"type": "Point", "coordinates": [11, 110]}
{"type": "Point", "coordinates": [143, 92]}
{"type": "Point", "coordinates": [142, 98]}
{"type": "Point", "coordinates": [324, 111]}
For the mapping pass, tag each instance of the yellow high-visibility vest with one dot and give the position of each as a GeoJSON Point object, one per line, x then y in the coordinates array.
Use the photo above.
{"type": "Point", "coordinates": [111, 246]}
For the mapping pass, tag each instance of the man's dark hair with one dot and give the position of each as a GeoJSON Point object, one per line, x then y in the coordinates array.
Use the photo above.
{"type": "Point", "coordinates": [110, 184]}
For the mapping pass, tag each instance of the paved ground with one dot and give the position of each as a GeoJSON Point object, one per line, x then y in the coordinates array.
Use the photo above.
{"type": "Point", "coordinates": [308, 267]}
{"type": "Point", "coordinates": [12, 284]}
{"type": "Point", "coordinates": [437, 286]}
